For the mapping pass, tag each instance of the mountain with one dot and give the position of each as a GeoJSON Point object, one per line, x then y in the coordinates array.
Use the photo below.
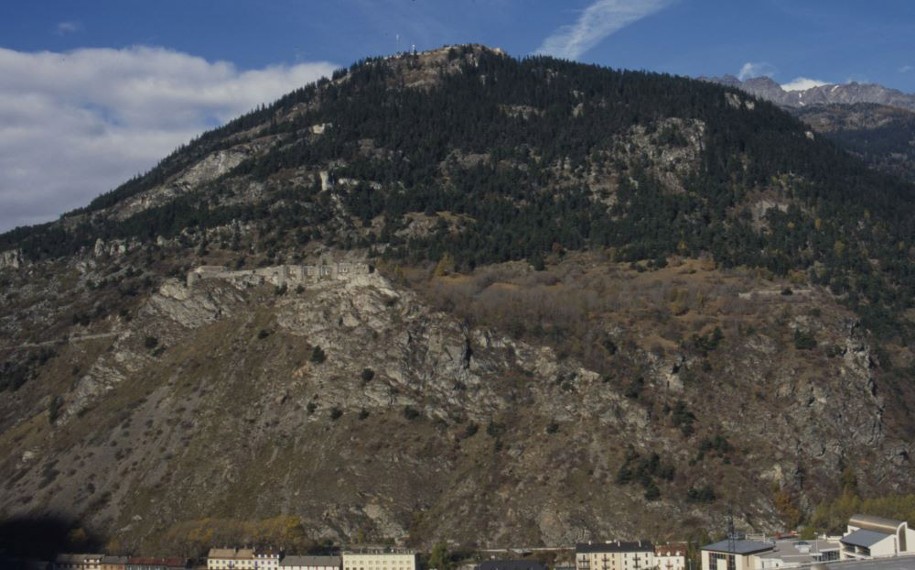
{"type": "Point", "coordinates": [872, 122]}
{"type": "Point", "coordinates": [882, 136]}
{"type": "Point", "coordinates": [829, 94]}
{"type": "Point", "coordinates": [459, 296]}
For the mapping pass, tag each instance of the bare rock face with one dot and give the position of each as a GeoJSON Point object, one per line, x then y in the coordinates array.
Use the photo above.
{"type": "Point", "coordinates": [11, 259]}
{"type": "Point", "coordinates": [209, 168]}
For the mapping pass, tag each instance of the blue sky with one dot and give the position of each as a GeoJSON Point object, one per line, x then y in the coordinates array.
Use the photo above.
{"type": "Point", "coordinates": [93, 92]}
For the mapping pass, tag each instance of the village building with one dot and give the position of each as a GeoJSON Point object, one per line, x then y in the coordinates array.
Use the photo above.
{"type": "Point", "coordinates": [876, 537]}
{"type": "Point", "coordinates": [231, 559]}
{"type": "Point", "coordinates": [114, 563]}
{"type": "Point", "coordinates": [139, 563]}
{"type": "Point", "coordinates": [311, 563]}
{"type": "Point", "coordinates": [78, 562]}
{"type": "Point", "coordinates": [267, 558]}
{"type": "Point", "coordinates": [734, 554]}
{"type": "Point", "coordinates": [615, 555]}
{"type": "Point", "coordinates": [671, 556]}
{"type": "Point", "coordinates": [379, 558]}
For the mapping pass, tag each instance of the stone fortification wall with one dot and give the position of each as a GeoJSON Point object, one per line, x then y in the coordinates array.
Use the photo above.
{"type": "Point", "coordinates": [279, 275]}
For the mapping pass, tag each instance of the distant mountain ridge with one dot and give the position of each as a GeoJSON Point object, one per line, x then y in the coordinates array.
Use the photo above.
{"type": "Point", "coordinates": [830, 94]}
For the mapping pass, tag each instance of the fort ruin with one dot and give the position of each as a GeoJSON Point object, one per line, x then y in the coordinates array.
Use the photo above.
{"type": "Point", "coordinates": [280, 275]}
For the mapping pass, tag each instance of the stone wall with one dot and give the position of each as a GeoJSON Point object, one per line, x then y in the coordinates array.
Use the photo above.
{"type": "Point", "coordinates": [280, 275]}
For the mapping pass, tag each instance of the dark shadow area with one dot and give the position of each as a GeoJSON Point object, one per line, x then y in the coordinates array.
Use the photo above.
{"type": "Point", "coordinates": [42, 538]}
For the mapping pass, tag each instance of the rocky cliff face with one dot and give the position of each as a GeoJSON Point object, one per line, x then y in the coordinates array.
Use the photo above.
{"type": "Point", "coordinates": [355, 405]}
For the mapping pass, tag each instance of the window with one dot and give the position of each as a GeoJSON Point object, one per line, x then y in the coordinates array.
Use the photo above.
{"type": "Point", "coordinates": [714, 557]}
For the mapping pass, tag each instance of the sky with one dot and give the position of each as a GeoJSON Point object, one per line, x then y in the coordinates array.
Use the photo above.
{"type": "Point", "coordinates": [93, 92]}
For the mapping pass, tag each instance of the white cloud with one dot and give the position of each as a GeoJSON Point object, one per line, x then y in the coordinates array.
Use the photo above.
{"type": "Point", "coordinates": [64, 28]}
{"type": "Point", "coordinates": [599, 20]}
{"type": "Point", "coordinates": [802, 84]}
{"type": "Point", "coordinates": [756, 69]}
{"type": "Point", "coordinates": [906, 68]}
{"type": "Point", "coordinates": [76, 124]}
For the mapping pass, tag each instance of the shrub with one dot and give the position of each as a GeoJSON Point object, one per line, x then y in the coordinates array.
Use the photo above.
{"type": "Point", "coordinates": [54, 409]}
{"type": "Point", "coordinates": [552, 427]}
{"type": "Point", "coordinates": [634, 389]}
{"type": "Point", "coordinates": [335, 413]}
{"type": "Point", "coordinates": [652, 493]}
{"type": "Point", "coordinates": [494, 429]}
{"type": "Point", "coordinates": [363, 413]}
{"type": "Point", "coordinates": [703, 494]}
{"type": "Point", "coordinates": [803, 340]}
{"type": "Point", "coordinates": [367, 375]}
{"type": "Point", "coordinates": [718, 444]}
{"type": "Point", "coordinates": [262, 334]}
{"type": "Point", "coordinates": [410, 412]}
{"type": "Point", "coordinates": [318, 355]}
{"type": "Point", "coordinates": [683, 418]}
{"type": "Point", "coordinates": [150, 342]}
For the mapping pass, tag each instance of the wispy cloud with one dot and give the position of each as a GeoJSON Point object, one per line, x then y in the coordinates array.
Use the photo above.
{"type": "Point", "coordinates": [802, 84]}
{"type": "Point", "coordinates": [906, 68]}
{"type": "Point", "coordinates": [71, 27]}
{"type": "Point", "coordinates": [599, 20]}
{"type": "Point", "coordinates": [756, 69]}
{"type": "Point", "coordinates": [76, 124]}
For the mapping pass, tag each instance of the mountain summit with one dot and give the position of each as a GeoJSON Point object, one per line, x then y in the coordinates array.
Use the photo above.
{"type": "Point", "coordinates": [459, 296]}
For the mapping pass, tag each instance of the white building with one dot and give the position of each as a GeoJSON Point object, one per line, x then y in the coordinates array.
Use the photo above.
{"type": "Point", "coordinates": [670, 556]}
{"type": "Point", "coordinates": [876, 537]}
{"type": "Point", "coordinates": [615, 555]}
{"type": "Point", "coordinates": [734, 554]}
{"type": "Point", "coordinates": [379, 559]}
{"type": "Point", "coordinates": [267, 559]}
{"type": "Point", "coordinates": [231, 559]}
{"type": "Point", "coordinates": [78, 562]}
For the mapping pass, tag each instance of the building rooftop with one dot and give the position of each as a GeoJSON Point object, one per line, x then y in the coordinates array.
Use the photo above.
{"type": "Point", "coordinates": [671, 549]}
{"type": "Point", "coordinates": [615, 546]}
{"type": "Point", "coordinates": [870, 522]}
{"type": "Point", "coordinates": [864, 538]}
{"type": "Point", "coordinates": [739, 546]}
{"type": "Point", "coordinates": [511, 565]}
{"type": "Point", "coordinates": [378, 550]}
{"type": "Point", "coordinates": [159, 562]}
{"type": "Point", "coordinates": [311, 561]}
{"type": "Point", "coordinates": [799, 551]}
{"type": "Point", "coordinates": [221, 553]}
{"type": "Point", "coordinates": [77, 558]}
